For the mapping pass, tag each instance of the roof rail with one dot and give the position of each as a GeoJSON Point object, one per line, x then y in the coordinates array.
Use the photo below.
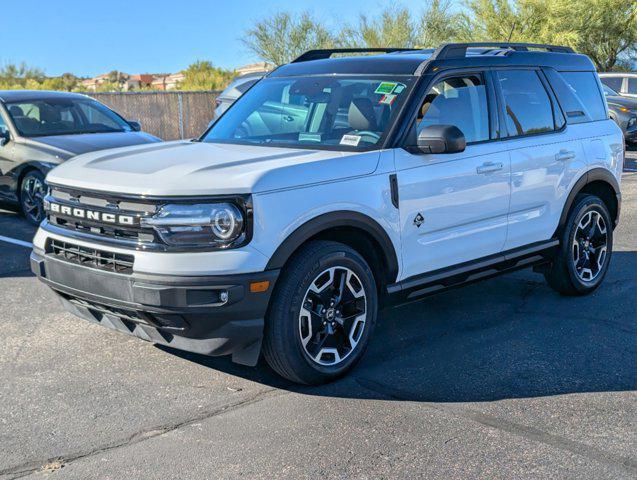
{"type": "Point", "coordinates": [459, 50]}
{"type": "Point", "coordinates": [328, 52]}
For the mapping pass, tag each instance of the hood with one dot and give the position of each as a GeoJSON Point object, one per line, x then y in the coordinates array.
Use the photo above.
{"type": "Point", "coordinates": [195, 168]}
{"type": "Point", "coordinates": [71, 145]}
{"type": "Point", "coordinates": [622, 101]}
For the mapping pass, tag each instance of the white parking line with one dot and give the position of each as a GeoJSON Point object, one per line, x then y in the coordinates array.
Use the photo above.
{"type": "Point", "coordinates": [16, 242]}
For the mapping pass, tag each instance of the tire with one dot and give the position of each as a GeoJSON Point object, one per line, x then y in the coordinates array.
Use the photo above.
{"type": "Point", "coordinates": [578, 270]}
{"type": "Point", "coordinates": [31, 193]}
{"type": "Point", "coordinates": [307, 340]}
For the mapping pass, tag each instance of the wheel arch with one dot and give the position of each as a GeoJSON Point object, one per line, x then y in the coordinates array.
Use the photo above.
{"type": "Point", "coordinates": [599, 182]}
{"type": "Point", "coordinates": [354, 229]}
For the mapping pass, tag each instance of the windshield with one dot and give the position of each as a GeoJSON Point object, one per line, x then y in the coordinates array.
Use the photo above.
{"type": "Point", "coordinates": [64, 116]}
{"type": "Point", "coordinates": [328, 112]}
{"type": "Point", "coordinates": [608, 91]}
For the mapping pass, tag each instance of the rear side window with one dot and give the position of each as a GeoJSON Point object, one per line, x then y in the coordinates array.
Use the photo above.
{"type": "Point", "coordinates": [632, 85]}
{"type": "Point", "coordinates": [528, 109]}
{"type": "Point", "coordinates": [613, 82]}
{"type": "Point", "coordinates": [584, 86]}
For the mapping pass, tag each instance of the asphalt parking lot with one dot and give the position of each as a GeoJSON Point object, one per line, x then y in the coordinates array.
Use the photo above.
{"type": "Point", "coordinates": [502, 379]}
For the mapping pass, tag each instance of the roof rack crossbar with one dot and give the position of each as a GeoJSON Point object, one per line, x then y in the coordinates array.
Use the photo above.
{"type": "Point", "coordinates": [459, 50]}
{"type": "Point", "coordinates": [328, 52]}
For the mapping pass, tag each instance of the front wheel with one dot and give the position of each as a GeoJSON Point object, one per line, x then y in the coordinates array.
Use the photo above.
{"type": "Point", "coordinates": [585, 250]}
{"type": "Point", "coordinates": [32, 193]}
{"type": "Point", "coordinates": [322, 314]}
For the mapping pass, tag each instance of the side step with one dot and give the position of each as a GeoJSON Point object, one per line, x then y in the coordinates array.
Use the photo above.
{"type": "Point", "coordinates": [469, 272]}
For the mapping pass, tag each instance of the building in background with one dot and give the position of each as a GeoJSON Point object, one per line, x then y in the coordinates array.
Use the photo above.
{"type": "Point", "coordinates": [254, 67]}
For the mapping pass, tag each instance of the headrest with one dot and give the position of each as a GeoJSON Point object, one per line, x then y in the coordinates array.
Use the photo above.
{"type": "Point", "coordinates": [16, 111]}
{"type": "Point", "coordinates": [49, 114]}
{"type": "Point", "coordinates": [361, 115]}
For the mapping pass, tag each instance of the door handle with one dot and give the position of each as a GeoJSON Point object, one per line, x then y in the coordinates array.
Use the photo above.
{"type": "Point", "coordinates": [489, 167]}
{"type": "Point", "coordinates": [565, 155]}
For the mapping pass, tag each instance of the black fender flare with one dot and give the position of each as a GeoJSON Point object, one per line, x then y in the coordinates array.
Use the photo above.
{"type": "Point", "coordinates": [331, 220]}
{"type": "Point", "coordinates": [596, 174]}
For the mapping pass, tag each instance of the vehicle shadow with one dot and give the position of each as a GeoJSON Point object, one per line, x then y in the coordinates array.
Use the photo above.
{"type": "Point", "coordinates": [509, 337]}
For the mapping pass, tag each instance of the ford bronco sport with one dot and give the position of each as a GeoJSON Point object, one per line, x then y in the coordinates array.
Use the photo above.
{"type": "Point", "coordinates": [335, 186]}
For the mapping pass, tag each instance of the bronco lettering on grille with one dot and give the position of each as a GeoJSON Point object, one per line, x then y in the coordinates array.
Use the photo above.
{"type": "Point", "coordinates": [94, 215]}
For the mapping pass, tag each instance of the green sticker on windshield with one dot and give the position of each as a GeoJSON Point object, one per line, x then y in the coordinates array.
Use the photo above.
{"type": "Point", "coordinates": [385, 88]}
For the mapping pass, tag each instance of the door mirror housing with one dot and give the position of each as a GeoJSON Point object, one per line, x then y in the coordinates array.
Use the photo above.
{"type": "Point", "coordinates": [5, 137]}
{"type": "Point", "coordinates": [135, 125]}
{"type": "Point", "coordinates": [440, 139]}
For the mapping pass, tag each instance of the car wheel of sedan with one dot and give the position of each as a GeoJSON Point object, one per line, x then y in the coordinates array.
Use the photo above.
{"type": "Point", "coordinates": [32, 193]}
{"type": "Point", "coordinates": [322, 314]}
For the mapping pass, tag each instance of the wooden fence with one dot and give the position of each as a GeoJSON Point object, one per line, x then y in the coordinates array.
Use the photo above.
{"type": "Point", "coordinates": [167, 115]}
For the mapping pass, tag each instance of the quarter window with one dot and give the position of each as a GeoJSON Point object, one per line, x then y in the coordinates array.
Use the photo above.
{"type": "Point", "coordinates": [584, 86]}
{"type": "Point", "coordinates": [527, 106]}
{"type": "Point", "coordinates": [459, 101]}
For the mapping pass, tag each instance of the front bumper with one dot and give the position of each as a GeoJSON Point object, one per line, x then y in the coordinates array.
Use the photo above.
{"type": "Point", "coordinates": [187, 313]}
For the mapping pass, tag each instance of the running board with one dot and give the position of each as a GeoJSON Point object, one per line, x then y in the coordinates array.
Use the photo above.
{"type": "Point", "coordinates": [473, 271]}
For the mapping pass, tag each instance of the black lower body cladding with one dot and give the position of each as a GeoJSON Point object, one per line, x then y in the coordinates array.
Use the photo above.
{"type": "Point", "coordinates": [211, 315]}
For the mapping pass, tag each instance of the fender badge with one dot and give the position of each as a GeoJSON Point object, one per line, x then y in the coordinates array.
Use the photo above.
{"type": "Point", "coordinates": [419, 220]}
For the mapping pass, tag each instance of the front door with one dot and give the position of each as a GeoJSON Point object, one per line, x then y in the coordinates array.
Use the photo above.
{"type": "Point", "coordinates": [453, 207]}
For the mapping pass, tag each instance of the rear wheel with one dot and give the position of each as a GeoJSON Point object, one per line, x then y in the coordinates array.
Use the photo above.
{"type": "Point", "coordinates": [322, 314]}
{"type": "Point", "coordinates": [585, 251]}
{"type": "Point", "coordinates": [32, 193]}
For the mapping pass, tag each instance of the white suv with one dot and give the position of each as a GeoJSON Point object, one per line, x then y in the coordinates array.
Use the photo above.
{"type": "Point", "coordinates": [335, 186]}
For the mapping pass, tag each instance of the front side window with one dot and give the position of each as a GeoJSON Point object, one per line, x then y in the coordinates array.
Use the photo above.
{"type": "Point", "coordinates": [322, 112]}
{"type": "Point", "coordinates": [584, 86]}
{"type": "Point", "coordinates": [613, 82]}
{"type": "Point", "coordinates": [63, 116]}
{"type": "Point", "coordinates": [460, 101]}
{"type": "Point", "coordinates": [527, 105]}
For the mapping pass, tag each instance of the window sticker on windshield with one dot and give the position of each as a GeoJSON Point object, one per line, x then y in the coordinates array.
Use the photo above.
{"type": "Point", "coordinates": [387, 99]}
{"type": "Point", "coordinates": [399, 88]}
{"type": "Point", "coordinates": [351, 140]}
{"type": "Point", "coordinates": [385, 87]}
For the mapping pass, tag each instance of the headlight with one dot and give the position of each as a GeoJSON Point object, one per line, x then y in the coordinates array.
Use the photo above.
{"type": "Point", "coordinates": [214, 225]}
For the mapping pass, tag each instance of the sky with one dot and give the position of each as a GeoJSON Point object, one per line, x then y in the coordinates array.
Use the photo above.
{"type": "Point", "coordinates": [90, 37]}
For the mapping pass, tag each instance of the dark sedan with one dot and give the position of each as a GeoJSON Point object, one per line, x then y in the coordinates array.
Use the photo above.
{"type": "Point", "coordinates": [39, 130]}
{"type": "Point", "coordinates": [624, 111]}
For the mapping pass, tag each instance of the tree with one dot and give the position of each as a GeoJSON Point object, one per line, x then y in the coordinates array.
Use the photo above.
{"type": "Point", "coordinates": [606, 31]}
{"type": "Point", "coordinates": [282, 37]}
{"type": "Point", "coordinates": [394, 27]}
{"type": "Point", "coordinates": [16, 76]}
{"type": "Point", "coordinates": [202, 75]}
{"type": "Point", "coordinates": [438, 24]}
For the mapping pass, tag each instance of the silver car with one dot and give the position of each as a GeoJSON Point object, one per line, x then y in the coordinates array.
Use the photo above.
{"type": "Point", "coordinates": [234, 90]}
{"type": "Point", "coordinates": [39, 130]}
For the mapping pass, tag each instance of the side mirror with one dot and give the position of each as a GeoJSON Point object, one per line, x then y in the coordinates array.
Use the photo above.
{"type": "Point", "coordinates": [440, 139]}
{"type": "Point", "coordinates": [5, 137]}
{"type": "Point", "coordinates": [135, 125]}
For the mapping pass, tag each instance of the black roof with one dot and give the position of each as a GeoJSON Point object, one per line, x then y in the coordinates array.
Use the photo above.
{"type": "Point", "coordinates": [29, 95]}
{"type": "Point", "coordinates": [393, 61]}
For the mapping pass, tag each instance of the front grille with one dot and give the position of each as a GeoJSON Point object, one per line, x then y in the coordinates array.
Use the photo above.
{"type": "Point", "coordinates": [91, 257]}
{"type": "Point", "coordinates": [131, 235]}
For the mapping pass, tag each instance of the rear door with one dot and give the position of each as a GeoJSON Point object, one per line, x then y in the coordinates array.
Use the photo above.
{"type": "Point", "coordinates": [453, 207]}
{"type": "Point", "coordinates": [546, 156]}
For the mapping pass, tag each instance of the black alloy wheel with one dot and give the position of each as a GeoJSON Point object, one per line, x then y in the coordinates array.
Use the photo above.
{"type": "Point", "coordinates": [32, 193]}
